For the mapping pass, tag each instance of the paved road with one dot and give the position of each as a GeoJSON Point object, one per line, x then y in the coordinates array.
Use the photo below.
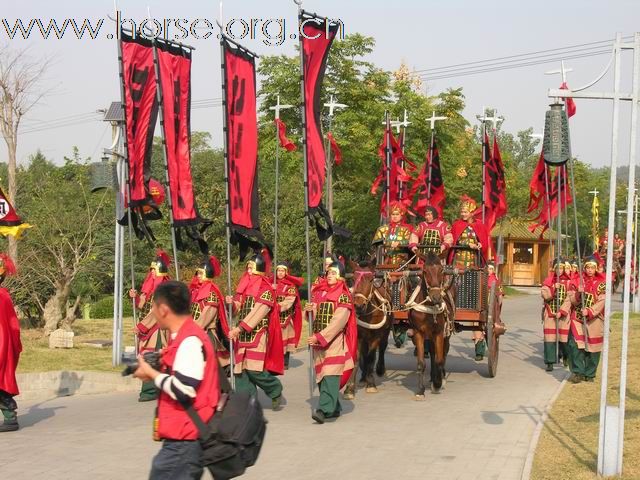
{"type": "Point", "coordinates": [478, 428]}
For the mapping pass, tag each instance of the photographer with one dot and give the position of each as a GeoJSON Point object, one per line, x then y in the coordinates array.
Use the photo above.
{"type": "Point", "coordinates": [188, 376]}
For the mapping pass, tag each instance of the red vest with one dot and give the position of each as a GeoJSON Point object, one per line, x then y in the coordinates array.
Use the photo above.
{"type": "Point", "coordinates": [173, 421]}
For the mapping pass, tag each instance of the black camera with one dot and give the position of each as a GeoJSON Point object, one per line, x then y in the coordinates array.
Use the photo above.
{"type": "Point", "coordinates": [152, 358]}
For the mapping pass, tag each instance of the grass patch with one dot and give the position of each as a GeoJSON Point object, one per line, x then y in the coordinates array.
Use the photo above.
{"type": "Point", "coordinates": [38, 357]}
{"type": "Point", "coordinates": [511, 292]}
{"type": "Point", "coordinates": [568, 446]}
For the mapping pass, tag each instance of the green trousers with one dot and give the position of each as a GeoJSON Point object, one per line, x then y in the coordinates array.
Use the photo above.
{"type": "Point", "coordinates": [329, 401]}
{"type": "Point", "coordinates": [248, 380]}
{"type": "Point", "coordinates": [582, 362]}
{"type": "Point", "coordinates": [550, 355]}
{"type": "Point", "coordinates": [8, 407]}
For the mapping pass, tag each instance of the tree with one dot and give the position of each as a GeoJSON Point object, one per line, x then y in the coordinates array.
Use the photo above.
{"type": "Point", "coordinates": [20, 80]}
{"type": "Point", "coordinates": [71, 238]}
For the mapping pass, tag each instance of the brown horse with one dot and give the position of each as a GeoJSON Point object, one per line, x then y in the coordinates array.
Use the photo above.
{"type": "Point", "coordinates": [431, 317]}
{"type": "Point", "coordinates": [371, 304]}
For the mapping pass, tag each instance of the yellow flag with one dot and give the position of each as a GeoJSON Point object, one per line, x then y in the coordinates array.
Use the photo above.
{"type": "Point", "coordinates": [595, 222]}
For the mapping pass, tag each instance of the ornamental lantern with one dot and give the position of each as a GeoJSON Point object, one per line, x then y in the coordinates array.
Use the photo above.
{"type": "Point", "coordinates": [555, 145]}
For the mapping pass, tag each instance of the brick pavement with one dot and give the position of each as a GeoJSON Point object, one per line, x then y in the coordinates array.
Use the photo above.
{"type": "Point", "coordinates": [478, 428]}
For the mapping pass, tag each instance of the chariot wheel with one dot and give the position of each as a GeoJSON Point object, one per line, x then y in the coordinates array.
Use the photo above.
{"type": "Point", "coordinates": [493, 340]}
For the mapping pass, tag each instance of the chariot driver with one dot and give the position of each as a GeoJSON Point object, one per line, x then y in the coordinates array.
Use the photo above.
{"type": "Point", "coordinates": [470, 236]}
{"type": "Point", "coordinates": [208, 310]}
{"type": "Point", "coordinates": [392, 240]}
{"type": "Point", "coordinates": [585, 305]}
{"type": "Point", "coordinates": [432, 235]}
{"type": "Point", "coordinates": [150, 336]}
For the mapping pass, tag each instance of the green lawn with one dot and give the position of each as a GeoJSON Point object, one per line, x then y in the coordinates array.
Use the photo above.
{"type": "Point", "coordinates": [568, 446]}
{"type": "Point", "coordinates": [38, 357]}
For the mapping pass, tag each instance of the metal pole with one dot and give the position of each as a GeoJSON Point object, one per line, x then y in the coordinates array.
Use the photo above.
{"type": "Point", "coordinates": [121, 280]}
{"type": "Point", "coordinates": [328, 246]}
{"type": "Point", "coordinates": [388, 169]}
{"type": "Point", "coordinates": [275, 208]}
{"type": "Point", "coordinates": [565, 173]}
{"type": "Point", "coordinates": [123, 146]}
{"type": "Point", "coordinates": [547, 186]}
{"type": "Point", "coordinates": [117, 293]}
{"type": "Point", "coordinates": [484, 162]}
{"type": "Point", "coordinates": [604, 464]}
{"type": "Point", "coordinates": [227, 210]}
{"type": "Point", "coordinates": [635, 256]}
{"type": "Point", "coordinates": [159, 96]}
{"type": "Point", "coordinates": [312, 376]}
{"type": "Point", "coordinates": [627, 266]}
{"type": "Point", "coordinates": [430, 164]}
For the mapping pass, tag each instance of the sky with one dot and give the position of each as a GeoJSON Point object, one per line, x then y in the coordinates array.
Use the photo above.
{"type": "Point", "coordinates": [83, 75]}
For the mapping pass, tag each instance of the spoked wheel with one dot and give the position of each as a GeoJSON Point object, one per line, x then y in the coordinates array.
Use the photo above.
{"type": "Point", "coordinates": [493, 340]}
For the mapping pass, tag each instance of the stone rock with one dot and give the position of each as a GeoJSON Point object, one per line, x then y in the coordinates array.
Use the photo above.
{"type": "Point", "coordinates": [61, 339]}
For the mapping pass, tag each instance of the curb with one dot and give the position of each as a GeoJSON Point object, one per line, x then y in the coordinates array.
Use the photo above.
{"type": "Point", "coordinates": [528, 464]}
{"type": "Point", "coordinates": [64, 383]}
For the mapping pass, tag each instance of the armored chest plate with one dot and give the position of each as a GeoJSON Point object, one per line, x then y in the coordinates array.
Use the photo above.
{"type": "Point", "coordinates": [588, 299]}
{"type": "Point", "coordinates": [195, 311]}
{"type": "Point", "coordinates": [284, 314]}
{"type": "Point", "coordinates": [146, 308]}
{"type": "Point", "coordinates": [323, 316]}
{"type": "Point", "coordinates": [558, 298]}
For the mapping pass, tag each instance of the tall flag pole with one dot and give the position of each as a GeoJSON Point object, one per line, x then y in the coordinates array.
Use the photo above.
{"type": "Point", "coordinates": [485, 154]}
{"type": "Point", "coordinates": [432, 125]}
{"type": "Point", "coordinates": [404, 124]}
{"type": "Point", "coordinates": [159, 99]}
{"type": "Point", "coordinates": [388, 161]}
{"type": "Point", "coordinates": [595, 220]}
{"type": "Point", "coordinates": [276, 108]}
{"type": "Point", "coordinates": [315, 41]}
{"type": "Point", "coordinates": [429, 185]}
{"type": "Point", "coordinates": [332, 106]}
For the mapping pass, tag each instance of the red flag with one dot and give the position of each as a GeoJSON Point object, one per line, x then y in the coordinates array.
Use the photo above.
{"type": "Point", "coordinates": [549, 210]}
{"type": "Point", "coordinates": [538, 187]}
{"type": "Point", "coordinates": [569, 103]}
{"type": "Point", "coordinates": [396, 173]}
{"type": "Point", "coordinates": [430, 193]}
{"type": "Point", "coordinates": [242, 144]}
{"type": "Point", "coordinates": [315, 41]}
{"type": "Point", "coordinates": [141, 112]}
{"type": "Point", "coordinates": [337, 154]}
{"type": "Point", "coordinates": [495, 200]}
{"type": "Point", "coordinates": [285, 142]}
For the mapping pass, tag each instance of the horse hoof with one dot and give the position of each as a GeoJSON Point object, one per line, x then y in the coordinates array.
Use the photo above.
{"type": "Point", "coordinates": [362, 383]}
{"type": "Point", "coordinates": [371, 390]}
{"type": "Point", "coordinates": [419, 398]}
{"type": "Point", "coordinates": [381, 373]}
{"type": "Point", "coordinates": [349, 396]}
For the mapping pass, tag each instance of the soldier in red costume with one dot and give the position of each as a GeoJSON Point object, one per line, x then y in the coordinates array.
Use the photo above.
{"type": "Point", "coordinates": [150, 336]}
{"type": "Point", "coordinates": [584, 305]}
{"type": "Point", "coordinates": [392, 241]}
{"type": "Point", "coordinates": [432, 235]}
{"type": "Point", "coordinates": [258, 351]}
{"type": "Point", "coordinates": [10, 348]}
{"type": "Point", "coordinates": [334, 339]}
{"type": "Point", "coordinates": [470, 233]}
{"type": "Point", "coordinates": [288, 299]}
{"type": "Point", "coordinates": [208, 308]}
{"type": "Point", "coordinates": [554, 292]}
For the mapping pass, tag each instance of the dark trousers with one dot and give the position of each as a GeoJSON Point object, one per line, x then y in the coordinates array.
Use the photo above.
{"type": "Point", "coordinates": [177, 460]}
{"type": "Point", "coordinates": [248, 380]}
{"type": "Point", "coordinates": [8, 406]}
{"type": "Point", "coordinates": [329, 401]}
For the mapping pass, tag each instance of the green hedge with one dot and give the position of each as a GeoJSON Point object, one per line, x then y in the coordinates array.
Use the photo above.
{"type": "Point", "coordinates": [103, 308]}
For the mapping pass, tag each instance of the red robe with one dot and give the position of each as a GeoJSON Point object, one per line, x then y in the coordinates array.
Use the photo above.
{"type": "Point", "coordinates": [282, 289]}
{"type": "Point", "coordinates": [255, 286]}
{"type": "Point", "coordinates": [202, 293]}
{"type": "Point", "coordinates": [481, 232]}
{"type": "Point", "coordinates": [10, 345]}
{"type": "Point", "coordinates": [323, 292]}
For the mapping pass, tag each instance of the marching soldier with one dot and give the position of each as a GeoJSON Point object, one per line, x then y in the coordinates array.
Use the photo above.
{"type": "Point", "coordinates": [554, 292]}
{"type": "Point", "coordinates": [432, 235]}
{"type": "Point", "coordinates": [471, 234]}
{"type": "Point", "coordinates": [574, 269]}
{"type": "Point", "coordinates": [258, 352]}
{"type": "Point", "coordinates": [327, 261]}
{"type": "Point", "coordinates": [208, 310]}
{"type": "Point", "coordinates": [10, 348]}
{"type": "Point", "coordinates": [584, 305]}
{"type": "Point", "coordinates": [288, 299]}
{"type": "Point", "coordinates": [334, 340]}
{"type": "Point", "coordinates": [392, 240]}
{"type": "Point", "coordinates": [150, 336]}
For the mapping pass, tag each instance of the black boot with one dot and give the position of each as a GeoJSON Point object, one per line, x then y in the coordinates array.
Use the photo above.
{"type": "Point", "coordinates": [9, 426]}
{"type": "Point", "coordinates": [318, 416]}
{"type": "Point", "coordinates": [549, 367]}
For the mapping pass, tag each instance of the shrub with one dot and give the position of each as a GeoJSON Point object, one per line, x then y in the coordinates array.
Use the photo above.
{"type": "Point", "coordinates": [103, 308]}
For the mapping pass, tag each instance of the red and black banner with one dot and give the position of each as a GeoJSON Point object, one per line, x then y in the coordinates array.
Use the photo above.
{"type": "Point", "coordinates": [495, 192]}
{"type": "Point", "coordinates": [174, 64]}
{"type": "Point", "coordinates": [397, 174]}
{"type": "Point", "coordinates": [335, 148]}
{"type": "Point", "coordinates": [315, 41]}
{"type": "Point", "coordinates": [429, 184]}
{"type": "Point", "coordinates": [559, 198]}
{"type": "Point", "coordinates": [141, 112]}
{"type": "Point", "coordinates": [538, 185]}
{"type": "Point", "coordinates": [242, 146]}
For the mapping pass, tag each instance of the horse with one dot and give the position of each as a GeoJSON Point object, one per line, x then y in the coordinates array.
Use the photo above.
{"type": "Point", "coordinates": [431, 315]}
{"type": "Point", "coordinates": [374, 324]}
